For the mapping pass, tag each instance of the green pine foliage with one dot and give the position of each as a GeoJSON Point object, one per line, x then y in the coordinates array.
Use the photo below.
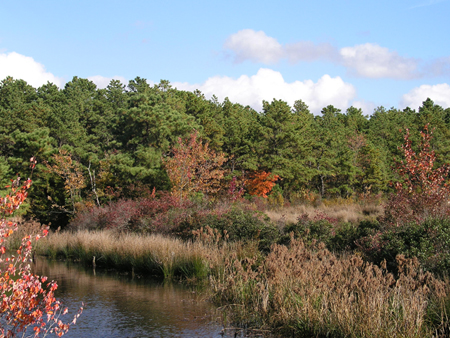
{"type": "Point", "coordinates": [119, 134]}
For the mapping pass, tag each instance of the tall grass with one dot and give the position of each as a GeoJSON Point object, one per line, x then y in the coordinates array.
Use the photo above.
{"type": "Point", "coordinates": [147, 254]}
{"type": "Point", "coordinates": [348, 212]}
{"type": "Point", "coordinates": [309, 291]}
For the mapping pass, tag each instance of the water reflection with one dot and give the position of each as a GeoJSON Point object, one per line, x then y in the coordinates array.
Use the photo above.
{"type": "Point", "coordinates": [116, 306]}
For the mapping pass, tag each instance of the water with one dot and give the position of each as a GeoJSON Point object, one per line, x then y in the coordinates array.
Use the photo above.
{"type": "Point", "coordinates": [117, 306]}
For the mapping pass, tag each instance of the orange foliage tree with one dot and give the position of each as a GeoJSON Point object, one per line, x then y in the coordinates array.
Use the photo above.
{"type": "Point", "coordinates": [28, 306]}
{"type": "Point", "coordinates": [194, 167]}
{"type": "Point", "coordinates": [261, 183]}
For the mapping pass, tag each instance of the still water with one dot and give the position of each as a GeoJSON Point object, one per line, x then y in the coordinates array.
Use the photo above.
{"type": "Point", "coordinates": [117, 306]}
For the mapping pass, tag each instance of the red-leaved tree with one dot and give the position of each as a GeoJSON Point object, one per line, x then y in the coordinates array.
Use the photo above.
{"type": "Point", "coordinates": [28, 306]}
{"type": "Point", "coordinates": [261, 183]}
{"type": "Point", "coordinates": [423, 191]}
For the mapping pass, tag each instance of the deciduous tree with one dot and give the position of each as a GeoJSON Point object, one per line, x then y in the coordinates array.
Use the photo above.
{"type": "Point", "coordinates": [194, 167]}
{"type": "Point", "coordinates": [261, 183]}
{"type": "Point", "coordinates": [423, 191]}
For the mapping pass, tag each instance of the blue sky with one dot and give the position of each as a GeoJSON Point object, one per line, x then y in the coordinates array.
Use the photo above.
{"type": "Point", "coordinates": [362, 53]}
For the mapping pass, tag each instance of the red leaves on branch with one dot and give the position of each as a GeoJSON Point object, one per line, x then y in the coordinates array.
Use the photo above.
{"type": "Point", "coordinates": [236, 189]}
{"type": "Point", "coordinates": [26, 301]}
{"type": "Point", "coordinates": [261, 183]}
{"type": "Point", "coordinates": [424, 191]}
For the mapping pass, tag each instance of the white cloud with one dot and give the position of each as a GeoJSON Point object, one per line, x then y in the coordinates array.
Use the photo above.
{"type": "Point", "coordinates": [103, 82]}
{"type": "Point", "coordinates": [371, 60]}
{"type": "Point", "coordinates": [255, 46]}
{"type": "Point", "coordinates": [248, 44]}
{"type": "Point", "coordinates": [366, 60]}
{"type": "Point", "coordinates": [26, 68]}
{"type": "Point", "coordinates": [268, 84]}
{"type": "Point", "coordinates": [440, 94]}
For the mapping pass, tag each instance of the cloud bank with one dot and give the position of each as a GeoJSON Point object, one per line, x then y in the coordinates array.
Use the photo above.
{"type": "Point", "coordinates": [26, 68]}
{"type": "Point", "coordinates": [268, 84]}
{"type": "Point", "coordinates": [257, 47]}
{"type": "Point", "coordinates": [372, 61]}
{"type": "Point", "coordinates": [367, 60]}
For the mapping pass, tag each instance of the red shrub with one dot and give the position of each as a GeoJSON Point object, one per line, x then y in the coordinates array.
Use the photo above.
{"type": "Point", "coordinates": [423, 192]}
{"type": "Point", "coordinates": [28, 301]}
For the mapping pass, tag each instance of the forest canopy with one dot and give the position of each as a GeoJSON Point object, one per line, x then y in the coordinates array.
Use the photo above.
{"type": "Point", "coordinates": [98, 145]}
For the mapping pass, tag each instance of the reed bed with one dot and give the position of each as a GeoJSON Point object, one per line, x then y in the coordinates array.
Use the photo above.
{"type": "Point", "coordinates": [306, 291]}
{"type": "Point", "coordinates": [146, 254]}
{"type": "Point", "coordinates": [350, 212]}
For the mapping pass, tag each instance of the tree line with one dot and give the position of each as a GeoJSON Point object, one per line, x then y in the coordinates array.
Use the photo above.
{"type": "Point", "coordinates": [98, 145]}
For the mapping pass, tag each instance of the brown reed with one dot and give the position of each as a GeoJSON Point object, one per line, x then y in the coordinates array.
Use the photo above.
{"type": "Point", "coordinates": [343, 212]}
{"type": "Point", "coordinates": [154, 254]}
{"type": "Point", "coordinates": [309, 291]}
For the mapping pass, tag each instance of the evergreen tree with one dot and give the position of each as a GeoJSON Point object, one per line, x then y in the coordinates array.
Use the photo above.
{"type": "Point", "coordinates": [285, 141]}
{"type": "Point", "coordinates": [239, 125]}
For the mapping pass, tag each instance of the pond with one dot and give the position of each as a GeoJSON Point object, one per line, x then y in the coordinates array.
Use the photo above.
{"type": "Point", "coordinates": [118, 306]}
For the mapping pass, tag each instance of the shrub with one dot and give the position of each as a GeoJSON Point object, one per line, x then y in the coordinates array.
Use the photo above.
{"type": "Point", "coordinates": [417, 216]}
{"type": "Point", "coordinates": [429, 241]}
{"type": "Point", "coordinates": [337, 236]}
{"type": "Point", "coordinates": [170, 215]}
{"type": "Point", "coordinates": [146, 215]}
{"type": "Point", "coordinates": [236, 223]}
{"type": "Point", "coordinates": [423, 192]}
{"type": "Point", "coordinates": [28, 301]}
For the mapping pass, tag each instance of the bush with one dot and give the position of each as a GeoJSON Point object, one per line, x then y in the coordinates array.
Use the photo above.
{"type": "Point", "coordinates": [28, 301]}
{"type": "Point", "coordinates": [145, 215]}
{"type": "Point", "coordinates": [236, 223]}
{"type": "Point", "coordinates": [429, 241]}
{"type": "Point", "coordinates": [417, 216]}
{"type": "Point", "coordinates": [423, 190]}
{"type": "Point", "coordinates": [337, 236]}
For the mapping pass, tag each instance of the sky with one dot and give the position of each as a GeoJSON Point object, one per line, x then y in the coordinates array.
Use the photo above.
{"type": "Point", "coordinates": [339, 52]}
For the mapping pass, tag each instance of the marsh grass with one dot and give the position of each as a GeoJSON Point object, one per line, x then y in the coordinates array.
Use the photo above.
{"type": "Point", "coordinates": [343, 212]}
{"type": "Point", "coordinates": [307, 290]}
{"type": "Point", "coordinates": [156, 255]}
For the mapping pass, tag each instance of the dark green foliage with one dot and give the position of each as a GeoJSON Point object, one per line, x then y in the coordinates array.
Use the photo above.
{"type": "Point", "coordinates": [338, 236]}
{"type": "Point", "coordinates": [239, 224]}
{"type": "Point", "coordinates": [428, 241]}
{"type": "Point", "coordinates": [240, 125]}
{"type": "Point", "coordinates": [285, 142]}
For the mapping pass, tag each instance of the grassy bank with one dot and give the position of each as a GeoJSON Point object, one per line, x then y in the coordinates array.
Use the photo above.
{"type": "Point", "coordinates": [156, 255]}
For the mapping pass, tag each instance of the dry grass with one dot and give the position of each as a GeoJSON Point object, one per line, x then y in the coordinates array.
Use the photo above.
{"type": "Point", "coordinates": [152, 254]}
{"type": "Point", "coordinates": [348, 212]}
{"type": "Point", "coordinates": [311, 292]}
